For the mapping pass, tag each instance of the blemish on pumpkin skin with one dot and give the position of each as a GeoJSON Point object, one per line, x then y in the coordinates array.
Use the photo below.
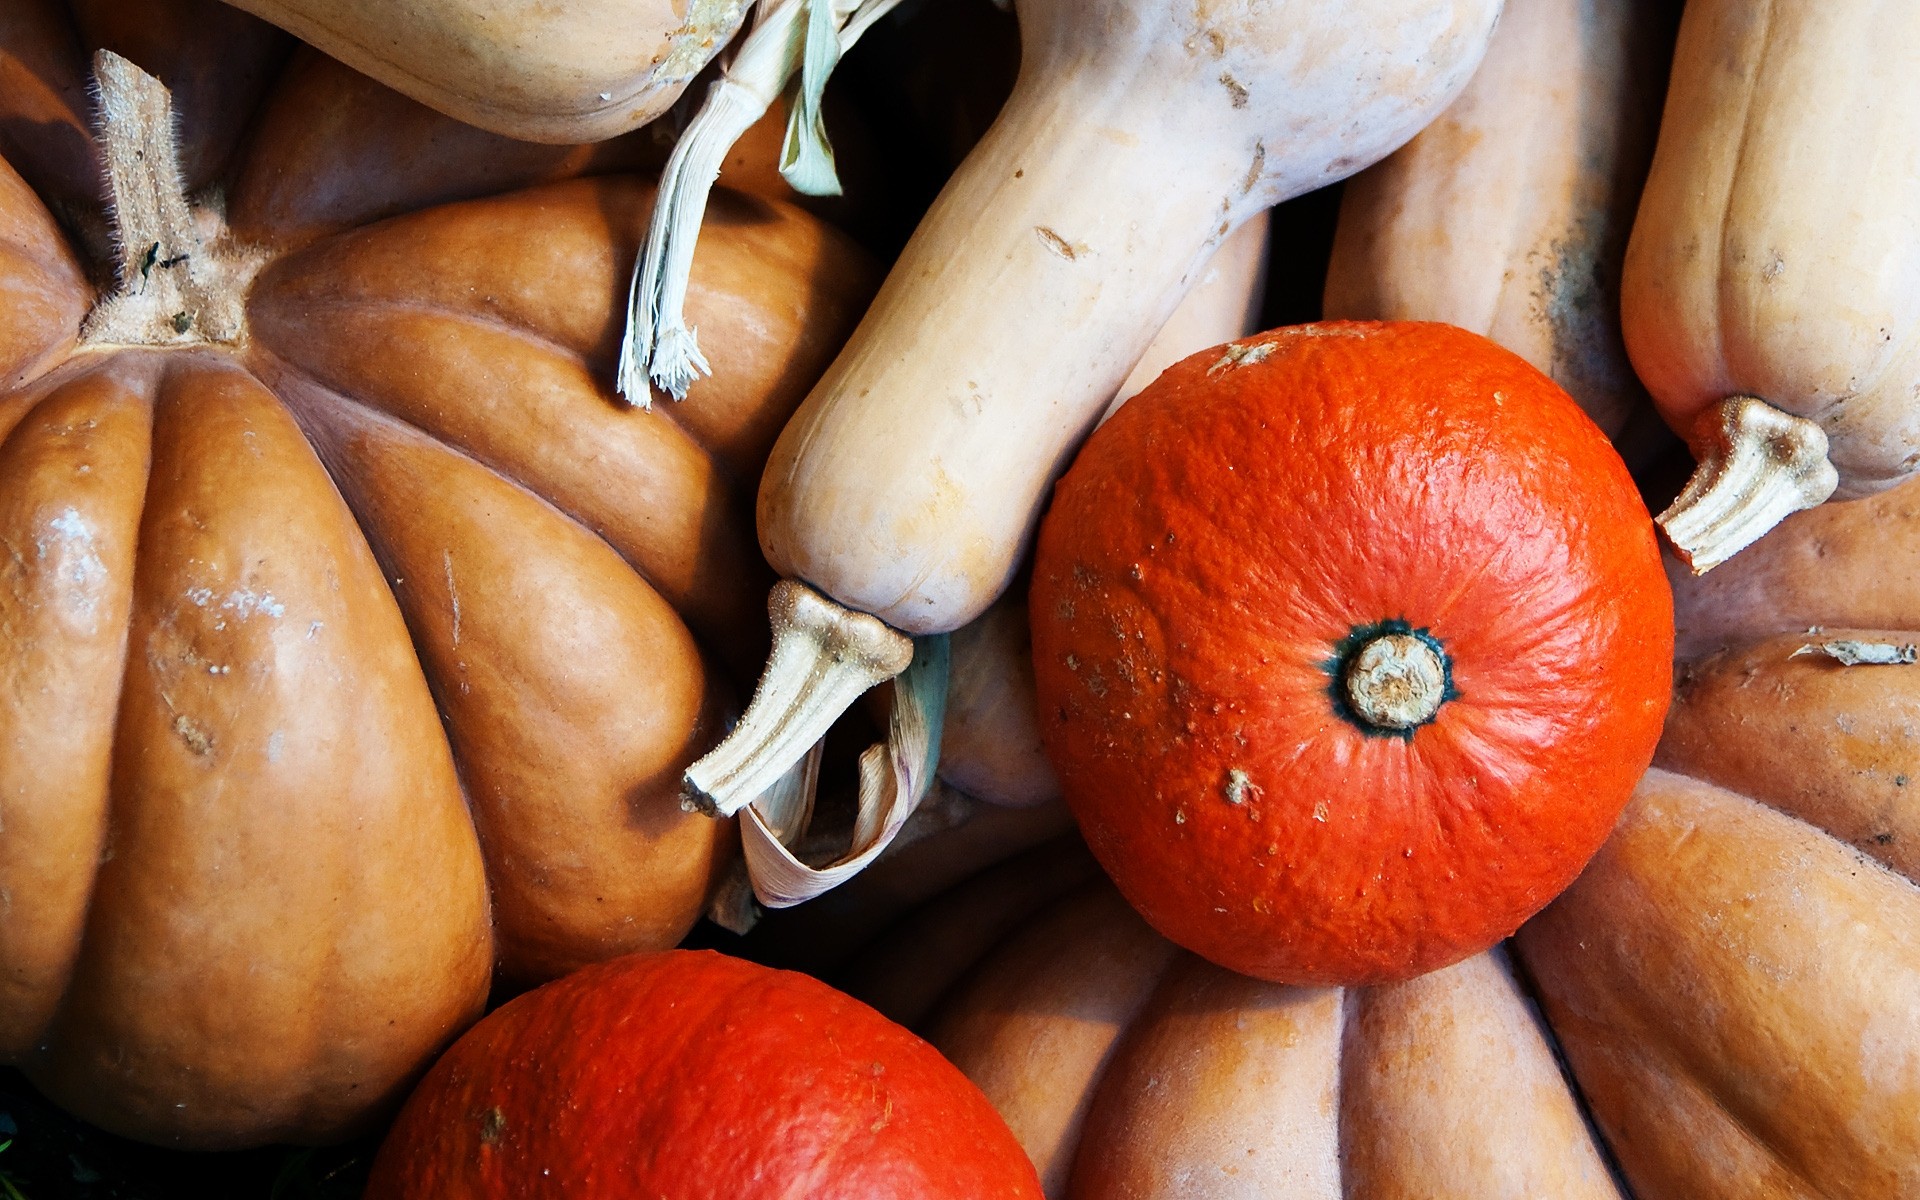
{"type": "Point", "coordinates": [1258, 168]}
{"type": "Point", "coordinates": [195, 737]}
{"type": "Point", "coordinates": [1240, 787]}
{"type": "Point", "coordinates": [493, 1126]}
{"type": "Point", "coordinates": [1238, 354]}
{"type": "Point", "coordinates": [1236, 91]}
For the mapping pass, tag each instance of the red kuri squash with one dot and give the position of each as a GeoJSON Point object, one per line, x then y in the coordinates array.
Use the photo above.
{"type": "Point", "coordinates": [1351, 641]}
{"type": "Point", "coordinates": [690, 1075]}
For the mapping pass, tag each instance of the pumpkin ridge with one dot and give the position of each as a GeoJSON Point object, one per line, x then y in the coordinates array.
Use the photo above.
{"type": "Point", "coordinates": [695, 551]}
{"type": "Point", "coordinates": [54, 391]}
{"type": "Point", "coordinates": [1757, 879]}
{"type": "Point", "coordinates": [373, 411]}
{"type": "Point", "coordinates": [633, 849]}
{"type": "Point", "coordinates": [548, 344]}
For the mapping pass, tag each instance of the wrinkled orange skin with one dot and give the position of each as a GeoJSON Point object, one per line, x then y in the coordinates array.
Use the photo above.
{"type": "Point", "coordinates": [1217, 539]}
{"type": "Point", "coordinates": [687, 1075]}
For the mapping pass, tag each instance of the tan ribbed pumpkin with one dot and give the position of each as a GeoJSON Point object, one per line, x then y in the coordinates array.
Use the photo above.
{"type": "Point", "coordinates": [354, 635]}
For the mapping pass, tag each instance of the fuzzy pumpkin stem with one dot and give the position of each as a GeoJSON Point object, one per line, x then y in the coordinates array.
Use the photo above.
{"type": "Point", "coordinates": [176, 286]}
{"type": "Point", "coordinates": [1758, 466]}
{"type": "Point", "coordinates": [824, 656]}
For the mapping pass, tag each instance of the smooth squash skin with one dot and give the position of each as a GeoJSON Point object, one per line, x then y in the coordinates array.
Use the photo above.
{"type": "Point", "coordinates": [339, 681]}
{"type": "Point", "coordinates": [1127, 1067]}
{"type": "Point", "coordinates": [1736, 976]}
{"type": "Point", "coordinates": [693, 1074]}
{"type": "Point", "coordinates": [1774, 255]}
{"type": "Point", "coordinates": [574, 72]}
{"type": "Point", "coordinates": [909, 482]}
{"type": "Point", "coordinates": [1509, 214]}
{"type": "Point", "coordinates": [900, 498]}
{"type": "Point", "coordinates": [1351, 640]}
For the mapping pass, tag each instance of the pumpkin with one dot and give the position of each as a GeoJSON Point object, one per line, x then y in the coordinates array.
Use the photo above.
{"type": "Point", "coordinates": [1736, 976]}
{"type": "Point", "coordinates": [1509, 214]}
{"type": "Point", "coordinates": [1771, 297]}
{"type": "Point", "coordinates": [907, 485]}
{"type": "Point", "coordinates": [297, 761]}
{"type": "Point", "coordinates": [577, 72]}
{"type": "Point", "coordinates": [1350, 640]}
{"type": "Point", "coordinates": [1127, 1067]}
{"type": "Point", "coordinates": [691, 1074]}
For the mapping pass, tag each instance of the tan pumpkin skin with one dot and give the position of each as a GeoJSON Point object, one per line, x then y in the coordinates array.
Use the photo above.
{"type": "Point", "coordinates": [1509, 214]}
{"type": "Point", "coordinates": [244, 899]}
{"type": "Point", "coordinates": [575, 72]}
{"type": "Point", "coordinates": [1773, 253]}
{"type": "Point", "coordinates": [1129, 1068]}
{"type": "Point", "coordinates": [1736, 977]}
{"type": "Point", "coordinates": [235, 818]}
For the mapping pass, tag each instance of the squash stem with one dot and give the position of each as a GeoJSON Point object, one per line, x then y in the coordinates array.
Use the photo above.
{"type": "Point", "coordinates": [824, 657]}
{"type": "Point", "coordinates": [1758, 466]}
{"type": "Point", "coordinates": [1397, 681]}
{"type": "Point", "coordinates": [789, 34]}
{"type": "Point", "coordinates": [177, 286]}
{"type": "Point", "coordinates": [658, 341]}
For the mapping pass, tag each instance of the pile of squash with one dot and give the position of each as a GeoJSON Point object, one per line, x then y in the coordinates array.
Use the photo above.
{"type": "Point", "coordinates": [368, 660]}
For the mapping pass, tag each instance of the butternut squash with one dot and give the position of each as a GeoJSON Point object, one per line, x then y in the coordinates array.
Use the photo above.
{"type": "Point", "coordinates": [574, 72]}
{"type": "Point", "coordinates": [1771, 299]}
{"type": "Point", "coordinates": [909, 482]}
{"type": "Point", "coordinates": [1509, 214]}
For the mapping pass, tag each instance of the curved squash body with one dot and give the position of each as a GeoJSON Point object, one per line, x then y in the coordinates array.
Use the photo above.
{"type": "Point", "coordinates": [574, 72]}
{"type": "Point", "coordinates": [1129, 1068]}
{"type": "Point", "coordinates": [1774, 254]}
{"type": "Point", "coordinates": [1736, 977]}
{"type": "Point", "coordinates": [910, 480]}
{"type": "Point", "coordinates": [990, 748]}
{"type": "Point", "coordinates": [1509, 214]}
{"type": "Point", "coordinates": [342, 671]}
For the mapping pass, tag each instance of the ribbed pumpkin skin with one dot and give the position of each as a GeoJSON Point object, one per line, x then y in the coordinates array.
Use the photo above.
{"type": "Point", "coordinates": [1130, 1069]}
{"type": "Point", "coordinates": [689, 1075]}
{"type": "Point", "coordinates": [1204, 560]}
{"type": "Point", "coordinates": [1736, 975]}
{"type": "Point", "coordinates": [349, 663]}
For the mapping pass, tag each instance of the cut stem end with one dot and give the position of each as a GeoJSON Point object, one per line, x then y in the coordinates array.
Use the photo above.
{"type": "Point", "coordinates": [1758, 466]}
{"type": "Point", "coordinates": [824, 657]}
{"type": "Point", "coordinates": [1396, 682]}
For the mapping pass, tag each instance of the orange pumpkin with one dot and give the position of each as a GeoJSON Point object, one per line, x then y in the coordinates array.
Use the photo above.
{"type": "Point", "coordinates": [1351, 641]}
{"type": "Point", "coordinates": [691, 1074]}
{"type": "Point", "coordinates": [355, 636]}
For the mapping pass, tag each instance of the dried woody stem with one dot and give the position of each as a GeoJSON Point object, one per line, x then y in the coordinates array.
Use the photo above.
{"type": "Point", "coordinates": [793, 44]}
{"type": "Point", "coordinates": [177, 285]}
{"type": "Point", "coordinates": [1758, 466]}
{"type": "Point", "coordinates": [824, 656]}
